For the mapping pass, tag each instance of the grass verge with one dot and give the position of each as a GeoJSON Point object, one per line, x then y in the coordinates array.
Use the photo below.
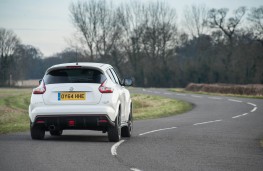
{"type": "Point", "coordinates": [150, 107]}
{"type": "Point", "coordinates": [182, 90]}
{"type": "Point", "coordinates": [14, 110]}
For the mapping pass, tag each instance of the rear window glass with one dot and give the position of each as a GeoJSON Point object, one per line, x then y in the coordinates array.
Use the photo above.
{"type": "Point", "coordinates": [74, 76]}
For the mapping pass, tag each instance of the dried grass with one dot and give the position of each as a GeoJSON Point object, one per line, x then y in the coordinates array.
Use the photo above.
{"type": "Point", "coordinates": [250, 89]}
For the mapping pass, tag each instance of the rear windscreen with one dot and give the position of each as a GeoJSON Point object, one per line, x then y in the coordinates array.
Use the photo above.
{"type": "Point", "coordinates": [76, 75]}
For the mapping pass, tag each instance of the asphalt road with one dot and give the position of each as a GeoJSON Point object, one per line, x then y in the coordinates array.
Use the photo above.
{"type": "Point", "coordinates": [220, 133]}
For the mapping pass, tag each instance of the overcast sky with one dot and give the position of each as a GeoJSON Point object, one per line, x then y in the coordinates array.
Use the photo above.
{"type": "Point", "coordinates": [46, 24]}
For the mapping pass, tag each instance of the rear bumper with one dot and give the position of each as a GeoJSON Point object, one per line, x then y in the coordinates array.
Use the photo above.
{"type": "Point", "coordinates": [62, 122]}
{"type": "Point", "coordinates": [71, 110]}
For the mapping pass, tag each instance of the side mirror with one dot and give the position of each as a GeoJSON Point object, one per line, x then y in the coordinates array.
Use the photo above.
{"type": "Point", "coordinates": [39, 82]}
{"type": "Point", "coordinates": [126, 82]}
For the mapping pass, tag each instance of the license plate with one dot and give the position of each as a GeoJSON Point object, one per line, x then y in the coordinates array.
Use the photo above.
{"type": "Point", "coordinates": [71, 96]}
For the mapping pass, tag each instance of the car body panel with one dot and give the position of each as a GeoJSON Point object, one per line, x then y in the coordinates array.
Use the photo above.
{"type": "Point", "coordinates": [96, 103]}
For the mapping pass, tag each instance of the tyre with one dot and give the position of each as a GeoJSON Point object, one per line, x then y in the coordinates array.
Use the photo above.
{"type": "Point", "coordinates": [37, 132]}
{"type": "Point", "coordinates": [114, 132]}
{"type": "Point", "coordinates": [127, 130]}
{"type": "Point", "coordinates": [56, 132]}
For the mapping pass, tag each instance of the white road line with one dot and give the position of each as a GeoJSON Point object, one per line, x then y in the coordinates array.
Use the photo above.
{"type": "Point", "coordinates": [180, 94]}
{"type": "Point", "coordinates": [253, 110]}
{"type": "Point", "coordinates": [252, 104]}
{"type": "Point", "coordinates": [239, 115]}
{"type": "Point", "coordinates": [167, 93]}
{"type": "Point", "coordinates": [207, 122]}
{"type": "Point", "coordinates": [115, 146]}
{"type": "Point", "coordinates": [157, 130]}
{"type": "Point", "coordinates": [215, 98]}
{"type": "Point", "coordinates": [233, 100]}
{"type": "Point", "coordinates": [197, 96]}
{"type": "Point", "coordinates": [143, 89]}
{"type": "Point", "coordinates": [135, 169]}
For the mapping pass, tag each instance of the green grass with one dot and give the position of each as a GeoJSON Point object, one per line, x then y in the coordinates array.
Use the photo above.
{"type": "Point", "coordinates": [150, 107]}
{"type": "Point", "coordinates": [181, 90]}
{"type": "Point", "coordinates": [14, 110]}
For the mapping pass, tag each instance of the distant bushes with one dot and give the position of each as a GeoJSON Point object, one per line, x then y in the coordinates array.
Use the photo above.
{"type": "Point", "coordinates": [250, 89]}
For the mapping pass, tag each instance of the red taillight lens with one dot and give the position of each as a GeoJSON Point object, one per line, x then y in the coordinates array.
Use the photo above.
{"type": "Point", "coordinates": [71, 123]}
{"type": "Point", "coordinates": [41, 89]}
{"type": "Point", "coordinates": [103, 121]}
{"type": "Point", "coordinates": [104, 89]}
{"type": "Point", "coordinates": [40, 121]}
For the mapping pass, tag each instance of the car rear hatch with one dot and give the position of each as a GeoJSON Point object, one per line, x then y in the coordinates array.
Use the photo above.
{"type": "Point", "coordinates": [73, 86]}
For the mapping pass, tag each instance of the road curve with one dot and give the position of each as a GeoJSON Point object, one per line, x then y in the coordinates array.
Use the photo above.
{"type": "Point", "coordinates": [220, 133]}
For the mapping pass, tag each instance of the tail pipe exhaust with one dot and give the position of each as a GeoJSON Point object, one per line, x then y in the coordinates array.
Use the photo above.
{"type": "Point", "coordinates": [52, 127]}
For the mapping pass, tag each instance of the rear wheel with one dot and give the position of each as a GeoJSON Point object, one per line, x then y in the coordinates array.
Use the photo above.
{"type": "Point", "coordinates": [37, 132]}
{"type": "Point", "coordinates": [127, 130]}
{"type": "Point", "coordinates": [56, 132]}
{"type": "Point", "coordinates": [114, 132]}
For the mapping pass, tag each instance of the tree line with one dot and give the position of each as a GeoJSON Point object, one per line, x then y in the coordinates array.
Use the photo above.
{"type": "Point", "coordinates": [146, 41]}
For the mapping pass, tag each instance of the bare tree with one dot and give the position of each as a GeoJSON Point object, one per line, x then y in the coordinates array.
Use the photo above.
{"type": "Point", "coordinates": [217, 19]}
{"type": "Point", "coordinates": [159, 38]}
{"type": "Point", "coordinates": [256, 18]}
{"type": "Point", "coordinates": [96, 21]}
{"type": "Point", "coordinates": [133, 22]}
{"type": "Point", "coordinates": [8, 44]}
{"type": "Point", "coordinates": [195, 18]}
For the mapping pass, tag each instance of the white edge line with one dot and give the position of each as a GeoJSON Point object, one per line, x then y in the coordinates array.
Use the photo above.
{"type": "Point", "coordinates": [157, 130]}
{"type": "Point", "coordinates": [115, 146]}
{"type": "Point", "coordinates": [252, 104]}
{"type": "Point", "coordinates": [135, 169]}
{"type": "Point", "coordinates": [253, 110]}
{"type": "Point", "coordinates": [233, 100]}
{"type": "Point", "coordinates": [215, 98]}
{"type": "Point", "coordinates": [167, 93]}
{"type": "Point", "coordinates": [239, 115]}
{"type": "Point", "coordinates": [207, 122]}
{"type": "Point", "coordinates": [197, 96]}
{"type": "Point", "coordinates": [181, 94]}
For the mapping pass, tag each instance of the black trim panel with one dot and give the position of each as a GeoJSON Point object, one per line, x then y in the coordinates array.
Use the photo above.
{"type": "Point", "coordinates": [81, 122]}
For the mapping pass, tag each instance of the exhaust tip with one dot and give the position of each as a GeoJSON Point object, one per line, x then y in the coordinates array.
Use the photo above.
{"type": "Point", "coordinates": [52, 127]}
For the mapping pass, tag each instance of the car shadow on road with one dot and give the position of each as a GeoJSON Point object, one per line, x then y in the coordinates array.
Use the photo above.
{"type": "Point", "coordinates": [68, 137]}
{"type": "Point", "coordinates": [77, 138]}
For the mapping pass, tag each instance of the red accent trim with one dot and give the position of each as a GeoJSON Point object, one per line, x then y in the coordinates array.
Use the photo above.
{"type": "Point", "coordinates": [40, 121]}
{"type": "Point", "coordinates": [71, 123]}
{"type": "Point", "coordinates": [103, 121]}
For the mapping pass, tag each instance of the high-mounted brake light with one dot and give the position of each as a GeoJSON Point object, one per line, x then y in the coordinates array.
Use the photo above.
{"type": "Point", "coordinates": [104, 89]}
{"type": "Point", "coordinates": [41, 89]}
{"type": "Point", "coordinates": [73, 66]}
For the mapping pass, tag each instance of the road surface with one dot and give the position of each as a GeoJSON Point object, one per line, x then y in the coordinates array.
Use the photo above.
{"type": "Point", "coordinates": [220, 133]}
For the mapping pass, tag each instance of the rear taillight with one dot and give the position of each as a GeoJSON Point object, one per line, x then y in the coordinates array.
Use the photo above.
{"type": "Point", "coordinates": [41, 89]}
{"type": "Point", "coordinates": [104, 89]}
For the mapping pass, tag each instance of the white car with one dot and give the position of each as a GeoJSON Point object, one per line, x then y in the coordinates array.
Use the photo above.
{"type": "Point", "coordinates": [79, 96]}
